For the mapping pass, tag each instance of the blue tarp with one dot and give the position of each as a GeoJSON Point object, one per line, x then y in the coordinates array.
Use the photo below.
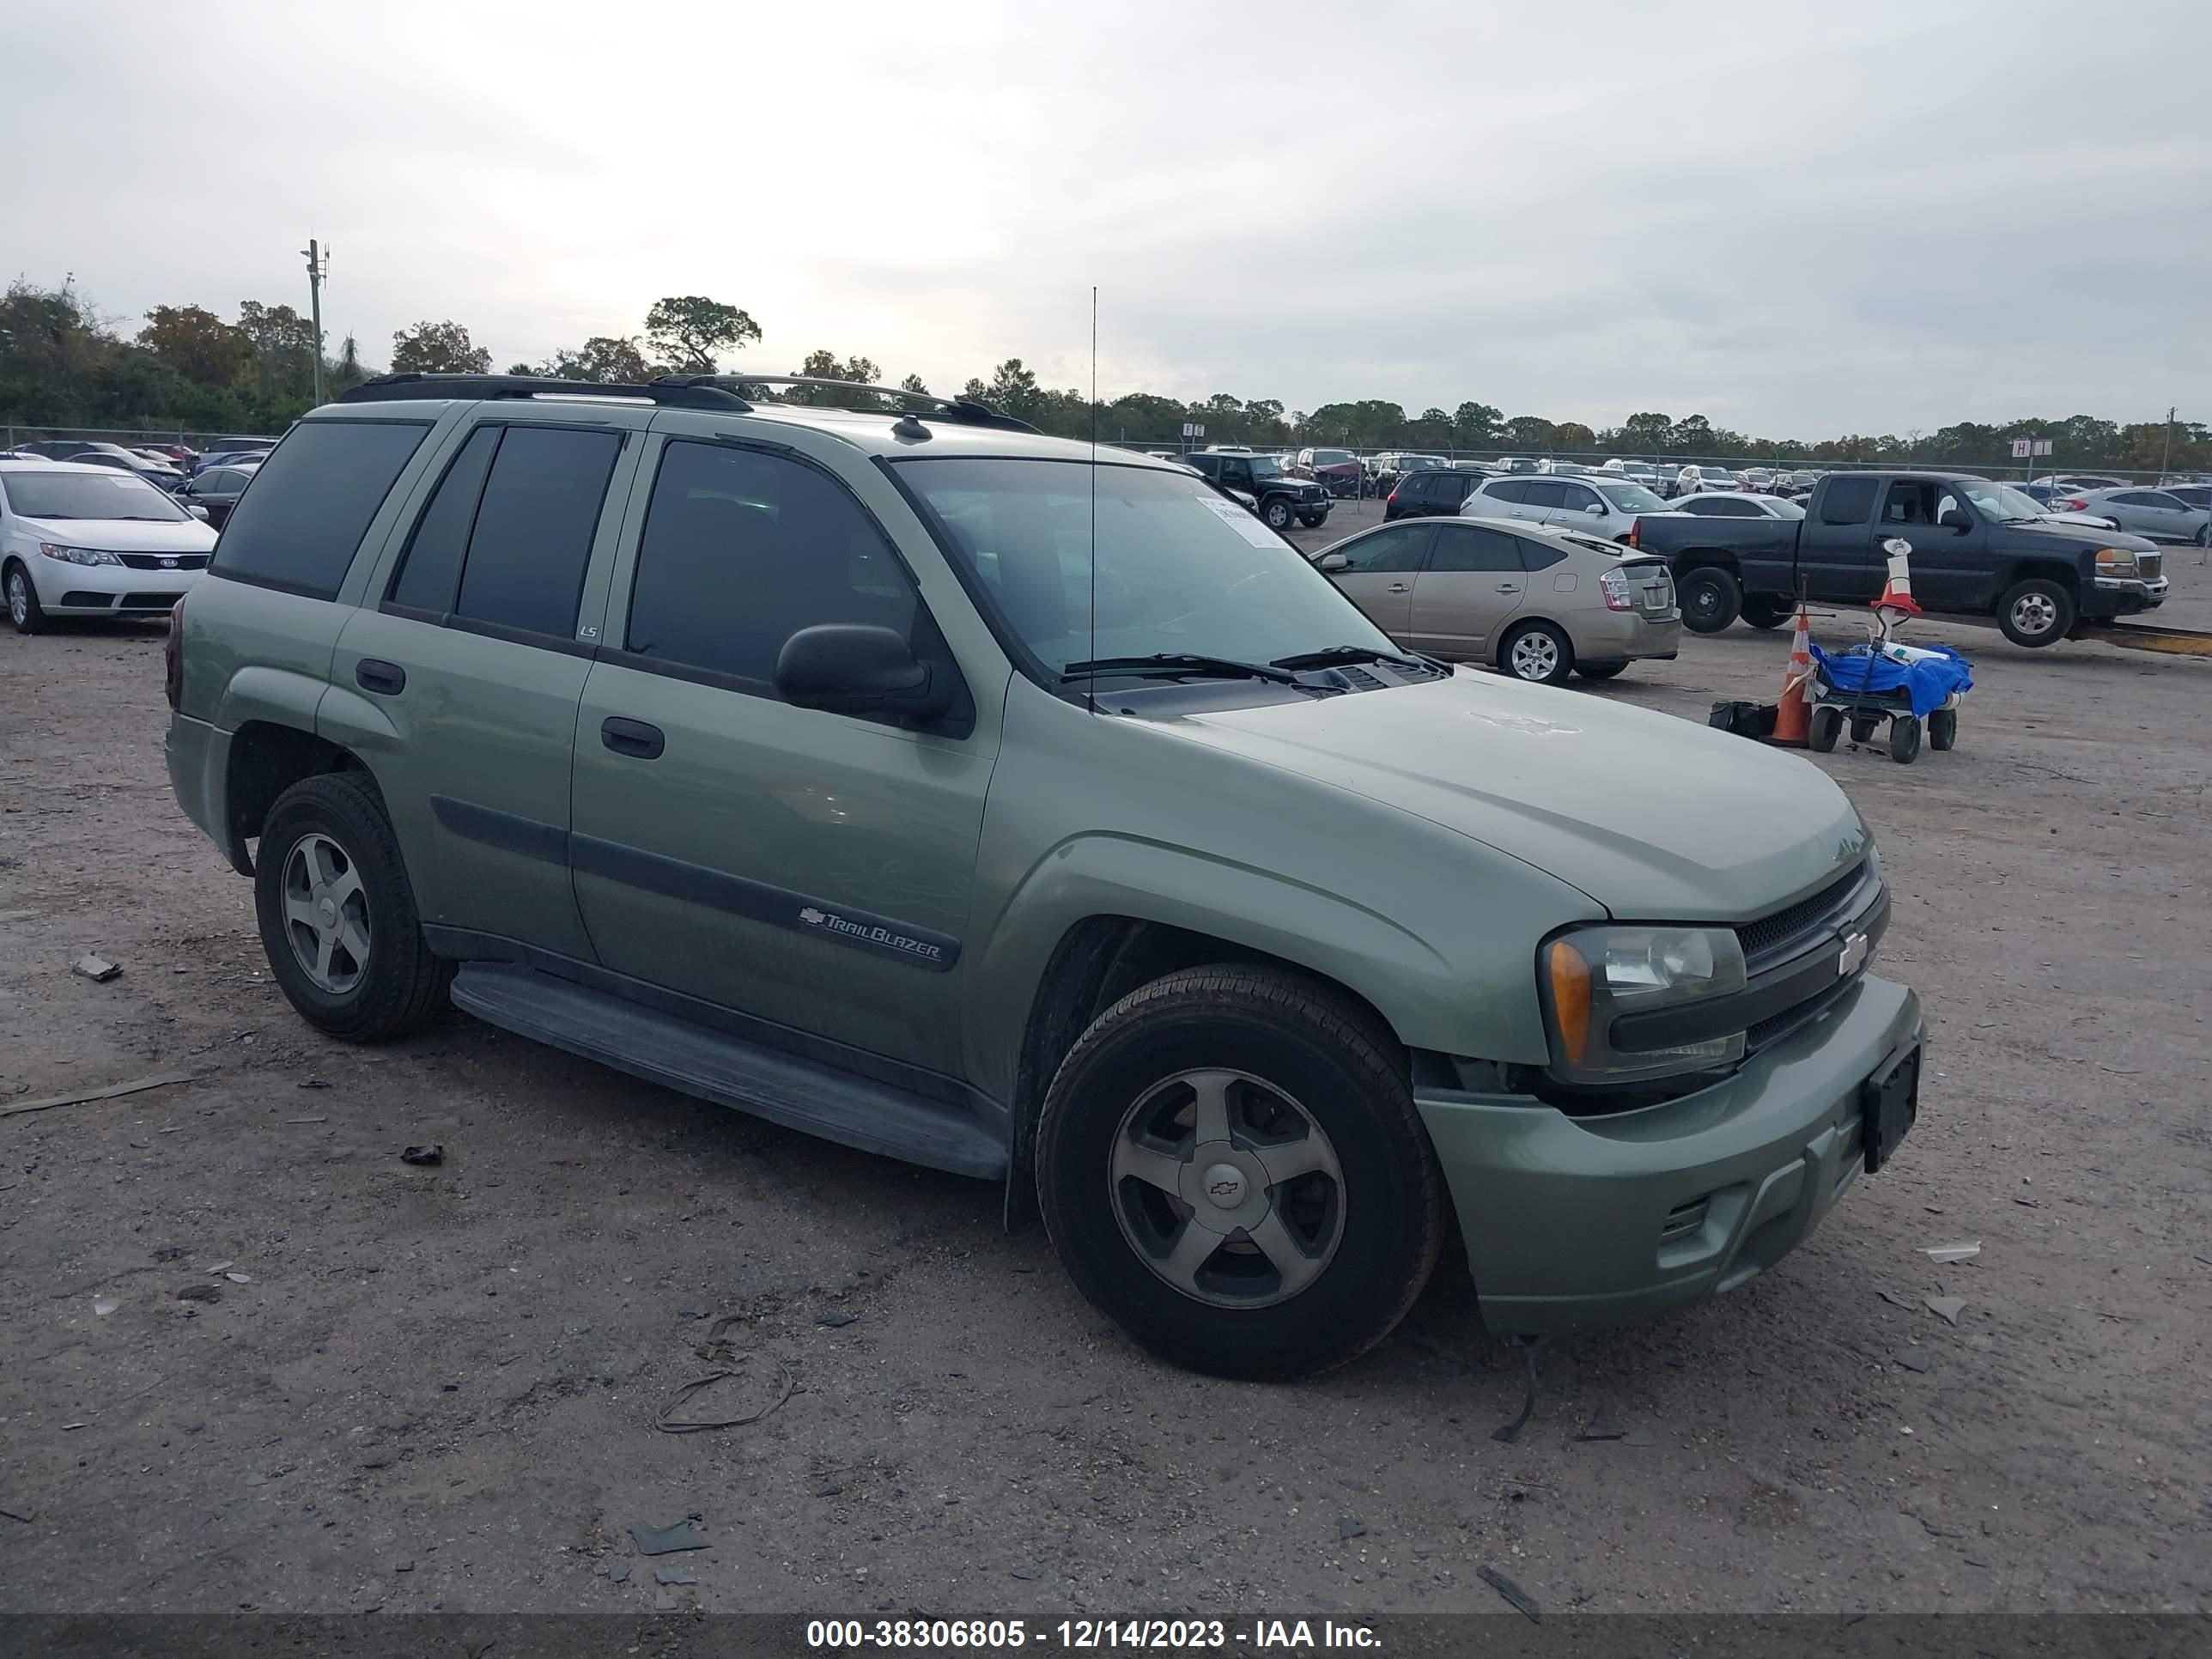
{"type": "Point", "coordinates": [1929, 681]}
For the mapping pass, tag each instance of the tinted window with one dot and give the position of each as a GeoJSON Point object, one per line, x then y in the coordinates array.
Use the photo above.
{"type": "Point", "coordinates": [223, 481]}
{"type": "Point", "coordinates": [1209, 465]}
{"type": "Point", "coordinates": [742, 550]}
{"type": "Point", "coordinates": [430, 569]}
{"type": "Point", "coordinates": [1472, 547]}
{"type": "Point", "coordinates": [1848, 501]}
{"type": "Point", "coordinates": [1577, 497]}
{"type": "Point", "coordinates": [534, 527]}
{"type": "Point", "coordinates": [312, 503]}
{"type": "Point", "coordinates": [1539, 556]}
{"type": "Point", "coordinates": [1727, 507]}
{"type": "Point", "coordinates": [1514, 491]}
{"type": "Point", "coordinates": [1543, 492]}
{"type": "Point", "coordinates": [1399, 548]}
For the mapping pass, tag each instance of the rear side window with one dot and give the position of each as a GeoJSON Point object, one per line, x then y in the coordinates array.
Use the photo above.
{"type": "Point", "coordinates": [534, 527]}
{"type": "Point", "coordinates": [1543, 492]}
{"type": "Point", "coordinates": [742, 549]}
{"type": "Point", "coordinates": [1539, 556]}
{"type": "Point", "coordinates": [300, 525]}
{"type": "Point", "coordinates": [1472, 547]}
{"type": "Point", "coordinates": [1510, 490]}
{"type": "Point", "coordinates": [430, 570]}
{"type": "Point", "coordinates": [1848, 501]}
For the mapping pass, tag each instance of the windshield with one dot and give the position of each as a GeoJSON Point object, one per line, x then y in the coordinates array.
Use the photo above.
{"type": "Point", "coordinates": [1418, 463]}
{"type": "Point", "coordinates": [1179, 569]}
{"type": "Point", "coordinates": [1331, 457]}
{"type": "Point", "coordinates": [2001, 503]}
{"type": "Point", "coordinates": [1632, 498]}
{"type": "Point", "coordinates": [89, 495]}
{"type": "Point", "coordinates": [1267, 466]}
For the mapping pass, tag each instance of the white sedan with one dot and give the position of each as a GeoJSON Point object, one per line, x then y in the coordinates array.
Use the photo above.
{"type": "Point", "coordinates": [1720, 504]}
{"type": "Point", "coordinates": [89, 541]}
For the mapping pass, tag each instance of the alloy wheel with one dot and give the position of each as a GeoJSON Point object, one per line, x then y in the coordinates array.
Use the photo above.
{"type": "Point", "coordinates": [19, 598]}
{"type": "Point", "coordinates": [2034, 613]}
{"type": "Point", "coordinates": [1534, 656]}
{"type": "Point", "coordinates": [326, 914]}
{"type": "Point", "coordinates": [1227, 1189]}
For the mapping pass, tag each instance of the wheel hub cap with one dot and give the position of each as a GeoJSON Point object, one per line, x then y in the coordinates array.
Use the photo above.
{"type": "Point", "coordinates": [325, 913]}
{"type": "Point", "coordinates": [1227, 1189]}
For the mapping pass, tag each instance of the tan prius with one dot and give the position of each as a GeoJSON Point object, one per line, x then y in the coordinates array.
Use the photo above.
{"type": "Point", "coordinates": [1538, 602]}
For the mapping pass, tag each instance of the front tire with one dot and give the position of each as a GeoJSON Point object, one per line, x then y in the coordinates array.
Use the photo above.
{"type": "Point", "coordinates": [24, 611]}
{"type": "Point", "coordinates": [1905, 739]}
{"type": "Point", "coordinates": [1827, 724]}
{"type": "Point", "coordinates": [2036, 613]}
{"type": "Point", "coordinates": [337, 915]}
{"type": "Point", "coordinates": [1314, 520]}
{"type": "Point", "coordinates": [1764, 612]}
{"type": "Point", "coordinates": [1599, 670]}
{"type": "Point", "coordinates": [1231, 1168]}
{"type": "Point", "coordinates": [1943, 728]}
{"type": "Point", "coordinates": [1275, 514]}
{"type": "Point", "coordinates": [1538, 653]}
{"type": "Point", "coordinates": [1710, 598]}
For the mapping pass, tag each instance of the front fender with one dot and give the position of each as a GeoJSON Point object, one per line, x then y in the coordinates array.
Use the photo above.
{"type": "Point", "coordinates": [1408, 981]}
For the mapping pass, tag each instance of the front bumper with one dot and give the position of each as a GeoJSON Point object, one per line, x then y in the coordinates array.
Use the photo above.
{"type": "Point", "coordinates": [106, 590]}
{"type": "Point", "coordinates": [1581, 1224]}
{"type": "Point", "coordinates": [2122, 596]}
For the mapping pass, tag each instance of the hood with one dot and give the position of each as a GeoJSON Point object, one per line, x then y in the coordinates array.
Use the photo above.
{"type": "Point", "coordinates": [1655, 818]}
{"type": "Point", "coordinates": [125, 534]}
{"type": "Point", "coordinates": [2075, 533]}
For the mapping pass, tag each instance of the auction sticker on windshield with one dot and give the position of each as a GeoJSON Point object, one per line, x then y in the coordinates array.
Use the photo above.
{"type": "Point", "coordinates": [1245, 525]}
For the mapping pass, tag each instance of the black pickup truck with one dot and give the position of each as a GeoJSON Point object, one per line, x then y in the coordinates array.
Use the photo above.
{"type": "Point", "coordinates": [1978, 550]}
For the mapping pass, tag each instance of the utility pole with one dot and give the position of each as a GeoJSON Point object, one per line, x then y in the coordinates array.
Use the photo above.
{"type": "Point", "coordinates": [319, 267]}
{"type": "Point", "coordinates": [2167, 460]}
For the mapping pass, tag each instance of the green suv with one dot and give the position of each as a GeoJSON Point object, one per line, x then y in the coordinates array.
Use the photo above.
{"type": "Point", "coordinates": [1030, 812]}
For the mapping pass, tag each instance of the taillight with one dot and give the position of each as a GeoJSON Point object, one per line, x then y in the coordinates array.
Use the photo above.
{"type": "Point", "coordinates": [1614, 586]}
{"type": "Point", "coordinates": [173, 657]}
{"type": "Point", "coordinates": [1635, 533]}
{"type": "Point", "coordinates": [2077, 505]}
{"type": "Point", "coordinates": [1392, 496]}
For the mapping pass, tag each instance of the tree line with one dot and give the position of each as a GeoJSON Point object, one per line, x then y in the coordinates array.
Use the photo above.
{"type": "Point", "coordinates": [63, 364]}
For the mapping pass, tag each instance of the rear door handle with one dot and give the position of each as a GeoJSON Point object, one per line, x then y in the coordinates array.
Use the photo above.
{"type": "Point", "coordinates": [1399, 587]}
{"type": "Point", "coordinates": [374, 674]}
{"type": "Point", "coordinates": [632, 737]}
{"type": "Point", "coordinates": [1509, 587]}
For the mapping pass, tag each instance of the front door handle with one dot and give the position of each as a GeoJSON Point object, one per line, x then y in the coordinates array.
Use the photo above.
{"type": "Point", "coordinates": [632, 737]}
{"type": "Point", "coordinates": [374, 674]}
{"type": "Point", "coordinates": [1509, 587]}
{"type": "Point", "coordinates": [1399, 587]}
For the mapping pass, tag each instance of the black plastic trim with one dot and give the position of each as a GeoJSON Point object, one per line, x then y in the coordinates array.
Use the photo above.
{"type": "Point", "coordinates": [508, 831]}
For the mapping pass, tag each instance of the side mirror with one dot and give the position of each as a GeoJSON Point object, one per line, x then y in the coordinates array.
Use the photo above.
{"type": "Point", "coordinates": [1332, 562]}
{"type": "Point", "coordinates": [1596, 509]}
{"type": "Point", "coordinates": [196, 510]}
{"type": "Point", "coordinates": [852, 668]}
{"type": "Point", "coordinates": [1955, 519]}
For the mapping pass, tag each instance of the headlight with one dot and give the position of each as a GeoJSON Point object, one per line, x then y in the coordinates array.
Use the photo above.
{"type": "Point", "coordinates": [77, 555]}
{"type": "Point", "coordinates": [2115, 562]}
{"type": "Point", "coordinates": [1591, 977]}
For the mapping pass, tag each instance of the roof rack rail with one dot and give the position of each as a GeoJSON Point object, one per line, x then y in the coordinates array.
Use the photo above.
{"type": "Point", "coordinates": [967, 411]}
{"type": "Point", "coordinates": [694, 393]}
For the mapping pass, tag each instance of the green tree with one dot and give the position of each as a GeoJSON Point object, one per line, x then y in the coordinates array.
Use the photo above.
{"type": "Point", "coordinates": [197, 344]}
{"type": "Point", "coordinates": [1474, 426]}
{"type": "Point", "coordinates": [691, 333]}
{"type": "Point", "coordinates": [1527, 432]}
{"type": "Point", "coordinates": [1647, 434]}
{"type": "Point", "coordinates": [1014, 390]}
{"type": "Point", "coordinates": [824, 365]}
{"type": "Point", "coordinates": [438, 349]}
{"type": "Point", "coordinates": [1571, 436]}
{"type": "Point", "coordinates": [913, 383]}
{"type": "Point", "coordinates": [282, 347]}
{"type": "Point", "coordinates": [605, 359]}
{"type": "Point", "coordinates": [349, 371]}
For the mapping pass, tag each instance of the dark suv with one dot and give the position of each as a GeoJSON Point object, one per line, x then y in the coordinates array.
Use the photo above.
{"type": "Point", "coordinates": [1437, 492]}
{"type": "Point", "coordinates": [1281, 496]}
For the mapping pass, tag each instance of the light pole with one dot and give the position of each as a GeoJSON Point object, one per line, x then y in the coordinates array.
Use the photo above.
{"type": "Point", "coordinates": [319, 267]}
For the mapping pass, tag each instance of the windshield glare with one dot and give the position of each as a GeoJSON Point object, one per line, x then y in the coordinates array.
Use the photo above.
{"type": "Point", "coordinates": [1179, 569]}
{"type": "Point", "coordinates": [102, 494]}
{"type": "Point", "coordinates": [1267, 466]}
{"type": "Point", "coordinates": [1998, 502]}
{"type": "Point", "coordinates": [1632, 498]}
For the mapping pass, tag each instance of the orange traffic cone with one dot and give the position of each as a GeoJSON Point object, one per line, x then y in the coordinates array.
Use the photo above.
{"type": "Point", "coordinates": [1793, 722]}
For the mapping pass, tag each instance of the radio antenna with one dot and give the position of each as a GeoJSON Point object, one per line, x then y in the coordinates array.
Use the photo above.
{"type": "Point", "coordinates": [1091, 654]}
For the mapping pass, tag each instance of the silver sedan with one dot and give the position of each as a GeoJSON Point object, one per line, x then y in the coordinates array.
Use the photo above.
{"type": "Point", "coordinates": [2143, 511]}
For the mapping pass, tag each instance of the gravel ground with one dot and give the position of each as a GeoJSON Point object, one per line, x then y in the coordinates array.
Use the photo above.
{"type": "Point", "coordinates": [434, 1387]}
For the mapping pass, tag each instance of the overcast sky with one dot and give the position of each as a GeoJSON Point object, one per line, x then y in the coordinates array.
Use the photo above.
{"type": "Point", "coordinates": [1797, 220]}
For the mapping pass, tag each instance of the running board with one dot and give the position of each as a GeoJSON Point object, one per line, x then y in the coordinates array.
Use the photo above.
{"type": "Point", "coordinates": [681, 1054]}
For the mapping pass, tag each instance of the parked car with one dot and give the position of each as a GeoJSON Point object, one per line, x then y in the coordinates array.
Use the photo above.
{"type": "Point", "coordinates": [217, 489]}
{"type": "Point", "coordinates": [1570, 469]}
{"type": "Point", "coordinates": [1279, 497]}
{"type": "Point", "coordinates": [1599, 507]}
{"type": "Point", "coordinates": [1704, 476]}
{"type": "Point", "coordinates": [160, 474]}
{"type": "Point", "coordinates": [1714, 504]}
{"type": "Point", "coordinates": [1641, 472]}
{"type": "Point", "coordinates": [1387, 468]}
{"type": "Point", "coordinates": [1793, 485]}
{"type": "Point", "coordinates": [809, 786]}
{"type": "Point", "coordinates": [2192, 494]}
{"type": "Point", "coordinates": [92, 541]}
{"type": "Point", "coordinates": [1978, 550]}
{"type": "Point", "coordinates": [1337, 471]}
{"type": "Point", "coordinates": [1434, 492]}
{"type": "Point", "coordinates": [2075, 483]}
{"type": "Point", "coordinates": [1759, 479]}
{"type": "Point", "coordinates": [54, 449]}
{"type": "Point", "coordinates": [2160, 514]}
{"type": "Point", "coordinates": [230, 450]}
{"type": "Point", "coordinates": [1536, 603]}
{"type": "Point", "coordinates": [1517, 463]}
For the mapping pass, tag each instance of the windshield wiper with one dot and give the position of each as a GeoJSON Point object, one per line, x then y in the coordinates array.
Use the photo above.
{"type": "Point", "coordinates": [1178, 662]}
{"type": "Point", "coordinates": [1329, 655]}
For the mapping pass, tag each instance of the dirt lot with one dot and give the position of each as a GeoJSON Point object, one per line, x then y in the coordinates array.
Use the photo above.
{"type": "Point", "coordinates": [435, 1387]}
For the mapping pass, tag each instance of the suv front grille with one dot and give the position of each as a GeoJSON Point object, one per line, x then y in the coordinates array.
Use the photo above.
{"type": "Point", "coordinates": [164, 560]}
{"type": "Point", "coordinates": [1774, 937]}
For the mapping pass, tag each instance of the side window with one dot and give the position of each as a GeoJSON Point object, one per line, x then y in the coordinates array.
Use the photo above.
{"type": "Point", "coordinates": [299, 527]}
{"type": "Point", "coordinates": [1237, 472]}
{"type": "Point", "coordinates": [1473, 547]}
{"type": "Point", "coordinates": [1544, 492]}
{"type": "Point", "coordinates": [1579, 498]}
{"type": "Point", "coordinates": [1907, 504]}
{"type": "Point", "coordinates": [1734, 507]}
{"type": "Point", "coordinates": [2159, 498]}
{"type": "Point", "coordinates": [1399, 548]}
{"type": "Point", "coordinates": [430, 569]}
{"type": "Point", "coordinates": [534, 526]}
{"type": "Point", "coordinates": [1848, 501]}
{"type": "Point", "coordinates": [1538, 555]}
{"type": "Point", "coordinates": [1513, 491]}
{"type": "Point", "coordinates": [1208, 465]}
{"type": "Point", "coordinates": [742, 549]}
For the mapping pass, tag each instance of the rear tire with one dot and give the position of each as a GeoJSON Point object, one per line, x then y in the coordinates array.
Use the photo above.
{"type": "Point", "coordinates": [1710, 598]}
{"type": "Point", "coordinates": [1943, 728]}
{"type": "Point", "coordinates": [1827, 724]}
{"type": "Point", "coordinates": [1599, 670]}
{"type": "Point", "coordinates": [337, 915]}
{"type": "Point", "coordinates": [2036, 613]}
{"type": "Point", "coordinates": [1537, 653]}
{"type": "Point", "coordinates": [1905, 739]}
{"type": "Point", "coordinates": [24, 611]}
{"type": "Point", "coordinates": [1300, 1077]}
